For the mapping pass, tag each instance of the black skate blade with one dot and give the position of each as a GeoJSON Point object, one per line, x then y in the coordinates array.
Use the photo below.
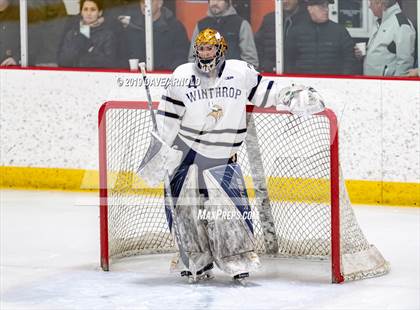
{"type": "Point", "coordinates": [241, 276]}
{"type": "Point", "coordinates": [241, 279]}
{"type": "Point", "coordinates": [185, 273]}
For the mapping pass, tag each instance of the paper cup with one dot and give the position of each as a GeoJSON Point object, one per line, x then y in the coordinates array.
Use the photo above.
{"type": "Point", "coordinates": [134, 64]}
{"type": "Point", "coordinates": [362, 47]}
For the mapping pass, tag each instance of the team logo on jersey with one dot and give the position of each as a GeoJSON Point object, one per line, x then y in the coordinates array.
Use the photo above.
{"type": "Point", "coordinates": [229, 78]}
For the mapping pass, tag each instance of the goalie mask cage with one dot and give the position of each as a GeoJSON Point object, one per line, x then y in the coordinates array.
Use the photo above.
{"type": "Point", "coordinates": [300, 206]}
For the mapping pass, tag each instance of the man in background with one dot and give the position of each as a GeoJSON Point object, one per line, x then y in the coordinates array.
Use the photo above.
{"type": "Point", "coordinates": [391, 46]}
{"type": "Point", "coordinates": [223, 17]}
{"type": "Point", "coordinates": [294, 13]}
{"type": "Point", "coordinates": [320, 46]}
{"type": "Point", "coordinates": [170, 40]}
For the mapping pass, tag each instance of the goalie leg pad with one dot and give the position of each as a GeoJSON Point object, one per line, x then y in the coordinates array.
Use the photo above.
{"type": "Point", "coordinates": [177, 183]}
{"type": "Point", "coordinates": [229, 220]}
{"type": "Point", "coordinates": [190, 228]}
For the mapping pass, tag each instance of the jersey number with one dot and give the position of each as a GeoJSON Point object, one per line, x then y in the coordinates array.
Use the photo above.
{"type": "Point", "coordinates": [193, 82]}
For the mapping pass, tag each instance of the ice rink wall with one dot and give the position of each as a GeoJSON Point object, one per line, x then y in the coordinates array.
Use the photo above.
{"type": "Point", "coordinates": [49, 136]}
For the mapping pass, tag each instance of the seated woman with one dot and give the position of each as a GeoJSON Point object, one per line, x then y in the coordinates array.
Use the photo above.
{"type": "Point", "coordinates": [88, 42]}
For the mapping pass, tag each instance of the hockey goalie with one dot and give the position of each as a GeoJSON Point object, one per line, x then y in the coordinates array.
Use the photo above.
{"type": "Point", "coordinates": [200, 127]}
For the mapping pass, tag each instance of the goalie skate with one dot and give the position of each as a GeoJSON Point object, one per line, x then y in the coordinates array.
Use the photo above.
{"type": "Point", "coordinates": [204, 274]}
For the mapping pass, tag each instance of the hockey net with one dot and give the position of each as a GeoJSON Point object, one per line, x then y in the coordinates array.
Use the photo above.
{"type": "Point", "coordinates": [300, 206]}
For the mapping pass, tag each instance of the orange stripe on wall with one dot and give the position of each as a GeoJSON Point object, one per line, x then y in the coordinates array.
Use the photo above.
{"type": "Point", "coordinates": [259, 9]}
{"type": "Point", "coordinates": [189, 13]}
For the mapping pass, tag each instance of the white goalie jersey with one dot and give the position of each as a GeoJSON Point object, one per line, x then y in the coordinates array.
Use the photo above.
{"type": "Point", "coordinates": [209, 114]}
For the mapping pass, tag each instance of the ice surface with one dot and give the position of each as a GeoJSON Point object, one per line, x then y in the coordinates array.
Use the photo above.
{"type": "Point", "coordinates": [50, 260]}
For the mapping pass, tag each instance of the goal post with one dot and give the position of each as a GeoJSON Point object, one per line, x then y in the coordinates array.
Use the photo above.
{"type": "Point", "coordinates": [300, 206]}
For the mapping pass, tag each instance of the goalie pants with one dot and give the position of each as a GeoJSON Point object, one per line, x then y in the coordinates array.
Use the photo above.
{"type": "Point", "coordinates": [228, 243]}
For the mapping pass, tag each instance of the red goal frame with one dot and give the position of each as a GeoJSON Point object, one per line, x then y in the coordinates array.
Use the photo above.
{"type": "Point", "coordinates": [337, 276]}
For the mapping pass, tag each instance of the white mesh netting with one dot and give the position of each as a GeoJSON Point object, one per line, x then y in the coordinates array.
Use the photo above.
{"type": "Point", "coordinates": [288, 184]}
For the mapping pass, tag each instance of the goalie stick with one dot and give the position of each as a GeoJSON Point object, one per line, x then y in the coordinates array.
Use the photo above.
{"type": "Point", "coordinates": [168, 194]}
{"type": "Point", "coordinates": [260, 187]}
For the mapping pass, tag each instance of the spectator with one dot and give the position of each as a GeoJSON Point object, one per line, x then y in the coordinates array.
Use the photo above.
{"type": "Point", "coordinates": [9, 34]}
{"type": "Point", "coordinates": [320, 46]}
{"type": "Point", "coordinates": [294, 13]}
{"type": "Point", "coordinates": [390, 50]}
{"type": "Point", "coordinates": [113, 9]}
{"type": "Point", "coordinates": [170, 40]}
{"type": "Point", "coordinates": [236, 31]}
{"type": "Point", "coordinates": [88, 43]}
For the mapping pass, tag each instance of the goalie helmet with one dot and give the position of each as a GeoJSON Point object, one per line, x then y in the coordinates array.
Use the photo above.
{"type": "Point", "coordinates": [211, 37]}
